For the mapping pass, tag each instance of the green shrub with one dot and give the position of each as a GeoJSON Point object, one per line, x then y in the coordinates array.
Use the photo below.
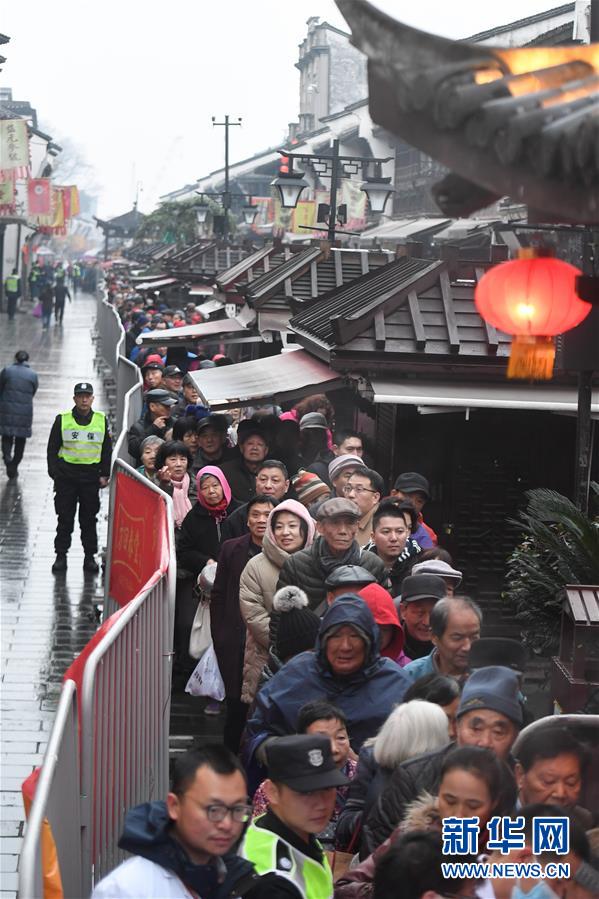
{"type": "Point", "coordinates": [560, 546]}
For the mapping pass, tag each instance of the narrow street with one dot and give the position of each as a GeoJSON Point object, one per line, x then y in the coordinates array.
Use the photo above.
{"type": "Point", "coordinates": [45, 620]}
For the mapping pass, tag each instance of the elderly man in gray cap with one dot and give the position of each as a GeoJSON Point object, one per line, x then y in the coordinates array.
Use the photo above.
{"type": "Point", "coordinates": [335, 545]}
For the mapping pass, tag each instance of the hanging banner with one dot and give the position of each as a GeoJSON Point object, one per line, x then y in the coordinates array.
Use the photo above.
{"type": "Point", "coordinates": [54, 223]}
{"type": "Point", "coordinates": [66, 202]}
{"type": "Point", "coordinates": [304, 214]}
{"type": "Point", "coordinates": [7, 193]}
{"type": "Point", "coordinates": [355, 200]}
{"type": "Point", "coordinates": [75, 204]}
{"type": "Point", "coordinates": [138, 551]}
{"type": "Point", "coordinates": [70, 201]}
{"type": "Point", "coordinates": [14, 144]}
{"type": "Point", "coordinates": [39, 196]}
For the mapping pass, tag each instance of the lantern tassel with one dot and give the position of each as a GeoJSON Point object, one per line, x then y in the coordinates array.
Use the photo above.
{"type": "Point", "coordinates": [531, 358]}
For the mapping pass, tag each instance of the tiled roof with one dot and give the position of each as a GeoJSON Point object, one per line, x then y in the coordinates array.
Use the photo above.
{"type": "Point", "coordinates": [324, 274]}
{"type": "Point", "coordinates": [294, 265]}
{"type": "Point", "coordinates": [409, 307]}
{"type": "Point", "coordinates": [251, 262]}
{"type": "Point", "coordinates": [520, 122]}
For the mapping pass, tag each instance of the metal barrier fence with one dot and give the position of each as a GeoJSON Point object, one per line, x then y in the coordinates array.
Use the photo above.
{"type": "Point", "coordinates": [125, 373]}
{"type": "Point", "coordinates": [125, 723]}
{"type": "Point", "coordinates": [57, 801]}
{"type": "Point", "coordinates": [86, 785]}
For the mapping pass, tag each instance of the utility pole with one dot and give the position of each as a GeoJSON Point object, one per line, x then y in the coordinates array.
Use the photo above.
{"type": "Point", "coordinates": [226, 195]}
{"type": "Point", "coordinates": [333, 194]}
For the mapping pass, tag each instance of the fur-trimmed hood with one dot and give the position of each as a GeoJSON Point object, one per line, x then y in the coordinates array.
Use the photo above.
{"type": "Point", "coordinates": [421, 814]}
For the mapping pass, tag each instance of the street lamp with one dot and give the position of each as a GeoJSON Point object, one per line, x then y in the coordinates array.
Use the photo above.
{"type": "Point", "coordinates": [290, 185]}
{"type": "Point", "coordinates": [377, 189]}
{"type": "Point", "coordinates": [202, 212]}
{"type": "Point", "coordinates": [333, 166]}
{"type": "Point", "coordinates": [249, 212]}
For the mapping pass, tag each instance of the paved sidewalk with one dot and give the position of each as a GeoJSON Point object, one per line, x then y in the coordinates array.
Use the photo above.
{"type": "Point", "coordinates": [45, 620]}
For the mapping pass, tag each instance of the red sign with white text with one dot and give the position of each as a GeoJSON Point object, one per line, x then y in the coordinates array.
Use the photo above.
{"type": "Point", "coordinates": [139, 538]}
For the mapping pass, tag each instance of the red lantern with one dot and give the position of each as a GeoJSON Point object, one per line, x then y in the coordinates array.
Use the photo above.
{"type": "Point", "coordinates": [534, 299]}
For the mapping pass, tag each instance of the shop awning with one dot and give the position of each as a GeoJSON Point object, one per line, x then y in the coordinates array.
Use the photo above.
{"type": "Point", "coordinates": [209, 307]}
{"type": "Point", "coordinates": [156, 285]}
{"type": "Point", "coordinates": [221, 329]}
{"type": "Point", "coordinates": [276, 378]}
{"type": "Point", "coordinates": [201, 290]}
{"type": "Point", "coordinates": [501, 395]}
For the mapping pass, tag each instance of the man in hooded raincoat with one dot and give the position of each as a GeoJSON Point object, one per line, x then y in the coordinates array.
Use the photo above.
{"type": "Point", "coordinates": [346, 669]}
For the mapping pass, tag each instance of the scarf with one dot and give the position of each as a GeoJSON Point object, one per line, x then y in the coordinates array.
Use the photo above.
{"type": "Point", "coordinates": [181, 503]}
{"type": "Point", "coordinates": [219, 511]}
{"type": "Point", "coordinates": [329, 562]}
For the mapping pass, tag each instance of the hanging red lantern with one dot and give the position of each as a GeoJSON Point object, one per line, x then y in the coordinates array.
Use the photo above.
{"type": "Point", "coordinates": [534, 298]}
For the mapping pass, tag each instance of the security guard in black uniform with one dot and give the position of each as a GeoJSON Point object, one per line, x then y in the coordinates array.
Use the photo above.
{"type": "Point", "coordinates": [79, 455]}
{"type": "Point", "coordinates": [301, 790]}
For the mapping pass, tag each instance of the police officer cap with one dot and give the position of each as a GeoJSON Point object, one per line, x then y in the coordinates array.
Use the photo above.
{"type": "Point", "coordinates": [349, 576]}
{"type": "Point", "coordinates": [303, 762]}
{"type": "Point", "coordinates": [83, 387]}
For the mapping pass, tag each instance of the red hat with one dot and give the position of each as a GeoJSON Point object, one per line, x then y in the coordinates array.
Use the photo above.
{"type": "Point", "coordinates": [384, 612]}
{"type": "Point", "coordinates": [218, 356]}
{"type": "Point", "coordinates": [154, 358]}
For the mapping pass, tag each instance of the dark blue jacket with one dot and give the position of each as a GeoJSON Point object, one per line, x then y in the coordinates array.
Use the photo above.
{"type": "Point", "coordinates": [147, 833]}
{"type": "Point", "coordinates": [366, 697]}
{"type": "Point", "coordinates": [18, 384]}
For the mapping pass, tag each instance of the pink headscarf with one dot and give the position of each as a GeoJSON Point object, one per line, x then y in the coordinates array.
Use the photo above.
{"type": "Point", "coordinates": [219, 511]}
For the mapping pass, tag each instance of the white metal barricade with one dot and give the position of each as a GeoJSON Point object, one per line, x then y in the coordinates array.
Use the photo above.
{"type": "Point", "coordinates": [126, 374]}
{"type": "Point", "coordinates": [124, 750]}
{"type": "Point", "coordinates": [125, 723]}
{"type": "Point", "coordinates": [56, 800]}
{"type": "Point", "coordinates": [132, 409]}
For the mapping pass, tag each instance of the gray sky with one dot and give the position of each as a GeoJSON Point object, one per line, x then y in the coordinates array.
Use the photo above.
{"type": "Point", "coordinates": [134, 83]}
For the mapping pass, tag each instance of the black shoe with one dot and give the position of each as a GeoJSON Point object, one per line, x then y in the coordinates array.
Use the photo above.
{"type": "Point", "coordinates": [90, 564]}
{"type": "Point", "coordinates": [60, 564]}
{"type": "Point", "coordinates": [11, 470]}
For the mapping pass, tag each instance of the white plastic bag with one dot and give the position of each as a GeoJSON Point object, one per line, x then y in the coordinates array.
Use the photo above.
{"type": "Point", "coordinates": [206, 679]}
{"type": "Point", "coordinates": [200, 638]}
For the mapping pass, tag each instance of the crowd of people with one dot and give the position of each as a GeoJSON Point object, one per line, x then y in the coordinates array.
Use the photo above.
{"type": "Point", "coordinates": [48, 285]}
{"type": "Point", "coordinates": [362, 705]}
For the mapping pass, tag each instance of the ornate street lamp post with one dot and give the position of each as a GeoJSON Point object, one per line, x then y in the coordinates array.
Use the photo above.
{"type": "Point", "coordinates": [334, 166]}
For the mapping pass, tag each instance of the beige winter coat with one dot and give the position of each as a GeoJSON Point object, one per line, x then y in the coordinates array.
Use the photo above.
{"type": "Point", "coordinates": [257, 587]}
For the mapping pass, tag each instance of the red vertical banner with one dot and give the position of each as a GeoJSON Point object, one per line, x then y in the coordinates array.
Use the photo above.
{"type": "Point", "coordinates": [38, 196]}
{"type": "Point", "coordinates": [140, 541]}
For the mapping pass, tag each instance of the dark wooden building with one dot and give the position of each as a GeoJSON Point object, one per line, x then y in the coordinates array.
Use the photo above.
{"type": "Point", "coordinates": [431, 377]}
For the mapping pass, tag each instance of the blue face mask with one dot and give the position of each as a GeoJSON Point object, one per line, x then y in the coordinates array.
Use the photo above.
{"type": "Point", "coordinates": [541, 890]}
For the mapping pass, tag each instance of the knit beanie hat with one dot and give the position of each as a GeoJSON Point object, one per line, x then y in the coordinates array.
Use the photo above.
{"type": "Point", "coordinates": [339, 463]}
{"type": "Point", "coordinates": [297, 625]}
{"type": "Point", "coordinates": [308, 487]}
{"type": "Point", "coordinates": [494, 687]}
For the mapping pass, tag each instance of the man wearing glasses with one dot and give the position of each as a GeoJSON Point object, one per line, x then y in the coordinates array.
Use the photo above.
{"type": "Point", "coordinates": [365, 488]}
{"type": "Point", "coordinates": [182, 848]}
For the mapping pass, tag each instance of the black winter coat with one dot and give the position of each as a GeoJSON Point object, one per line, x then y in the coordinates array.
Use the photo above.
{"type": "Point", "coordinates": [18, 384]}
{"type": "Point", "coordinates": [227, 625]}
{"type": "Point", "coordinates": [241, 480]}
{"type": "Point", "coordinates": [303, 569]}
{"type": "Point", "coordinates": [144, 427]}
{"type": "Point", "coordinates": [408, 781]}
{"type": "Point", "coordinates": [199, 539]}
{"type": "Point", "coordinates": [364, 790]}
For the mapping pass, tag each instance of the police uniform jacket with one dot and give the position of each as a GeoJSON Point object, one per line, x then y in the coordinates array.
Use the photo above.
{"type": "Point", "coordinates": [58, 468]}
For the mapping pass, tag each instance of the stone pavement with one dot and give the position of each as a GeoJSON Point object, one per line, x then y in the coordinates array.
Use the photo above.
{"type": "Point", "coordinates": [45, 620]}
